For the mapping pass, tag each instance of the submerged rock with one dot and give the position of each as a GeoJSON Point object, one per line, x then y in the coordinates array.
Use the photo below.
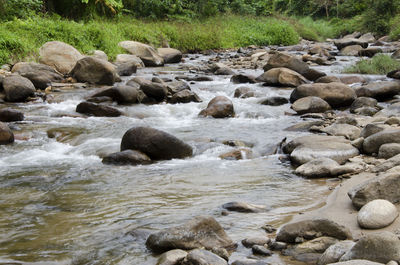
{"type": "Point", "coordinates": [219, 107]}
{"type": "Point", "coordinates": [158, 145]}
{"type": "Point", "coordinates": [18, 88]}
{"type": "Point", "coordinates": [244, 207]}
{"type": "Point", "coordinates": [98, 110]}
{"type": "Point", "coordinates": [10, 115]}
{"type": "Point", "coordinates": [203, 257]}
{"type": "Point", "coordinates": [127, 157]}
{"type": "Point", "coordinates": [310, 229]}
{"type": "Point", "coordinates": [200, 232]}
{"type": "Point", "coordinates": [377, 214]}
{"type": "Point", "coordinates": [6, 135]}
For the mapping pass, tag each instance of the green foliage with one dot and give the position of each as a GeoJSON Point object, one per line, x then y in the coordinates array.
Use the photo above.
{"type": "Point", "coordinates": [22, 38]}
{"type": "Point", "coordinates": [380, 64]}
{"type": "Point", "coordinates": [10, 9]}
{"type": "Point", "coordinates": [377, 17]}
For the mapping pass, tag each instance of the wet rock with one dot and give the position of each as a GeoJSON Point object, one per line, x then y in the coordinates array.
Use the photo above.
{"type": "Point", "coordinates": [219, 107]}
{"type": "Point", "coordinates": [95, 71]}
{"type": "Point", "coordinates": [154, 90]}
{"type": "Point", "coordinates": [371, 129]}
{"type": "Point", "coordinates": [310, 229]}
{"type": "Point", "coordinates": [221, 69]}
{"type": "Point", "coordinates": [10, 115]}
{"type": "Point", "coordinates": [377, 214]}
{"type": "Point", "coordinates": [243, 92]}
{"type": "Point", "coordinates": [261, 250]}
{"type": "Point", "coordinates": [361, 102]}
{"type": "Point", "coordinates": [145, 52]}
{"type": "Point", "coordinates": [122, 94]}
{"type": "Point", "coordinates": [40, 75]}
{"type": "Point", "coordinates": [98, 110]}
{"type": "Point", "coordinates": [279, 60]}
{"type": "Point", "coordinates": [310, 251]}
{"type": "Point", "coordinates": [367, 37]}
{"type": "Point", "coordinates": [202, 231]}
{"type": "Point", "coordinates": [158, 145]}
{"type": "Point", "coordinates": [310, 105]}
{"type": "Point", "coordinates": [341, 43]}
{"type": "Point", "coordinates": [373, 143]}
{"type": "Point", "coordinates": [172, 257]}
{"type": "Point", "coordinates": [393, 121]}
{"type": "Point", "coordinates": [203, 257]}
{"type": "Point", "coordinates": [322, 168]}
{"type": "Point", "coordinates": [274, 101]}
{"type": "Point", "coordinates": [277, 246]}
{"type": "Point", "coordinates": [396, 54]}
{"type": "Point", "coordinates": [335, 252]}
{"type": "Point", "coordinates": [127, 157]}
{"type": "Point", "coordinates": [336, 94]}
{"type": "Point", "coordinates": [177, 86]}
{"type": "Point", "coordinates": [249, 262]}
{"type": "Point", "coordinates": [387, 151]}
{"type": "Point", "coordinates": [185, 96]}
{"type": "Point", "coordinates": [18, 88]}
{"type": "Point", "coordinates": [6, 135]}
{"type": "Point", "coordinates": [307, 148]}
{"type": "Point", "coordinates": [328, 79]}
{"type": "Point", "coordinates": [244, 207]}
{"type": "Point", "coordinates": [99, 55]}
{"type": "Point", "coordinates": [313, 74]}
{"type": "Point", "coordinates": [382, 247]}
{"type": "Point", "coordinates": [251, 241]}
{"type": "Point", "coordinates": [170, 55]}
{"type": "Point", "coordinates": [348, 131]}
{"type": "Point", "coordinates": [352, 79]}
{"type": "Point", "coordinates": [126, 69]}
{"type": "Point", "coordinates": [351, 50]}
{"type": "Point", "coordinates": [129, 58]}
{"type": "Point", "coordinates": [357, 262]}
{"type": "Point", "coordinates": [379, 90]}
{"type": "Point", "coordinates": [241, 78]}
{"type": "Point", "coordinates": [59, 55]}
{"type": "Point", "coordinates": [385, 187]}
{"type": "Point", "coordinates": [239, 154]}
{"type": "Point", "coordinates": [370, 52]}
{"type": "Point", "coordinates": [282, 77]}
{"type": "Point", "coordinates": [366, 111]}
{"type": "Point", "coordinates": [390, 111]}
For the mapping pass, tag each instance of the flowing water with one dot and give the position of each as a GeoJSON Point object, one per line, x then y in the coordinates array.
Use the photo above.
{"type": "Point", "coordinates": [60, 205]}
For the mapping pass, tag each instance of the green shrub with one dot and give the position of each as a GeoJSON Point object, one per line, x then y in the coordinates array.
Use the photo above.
{"type": "Point", "coordinates": [380, 64]}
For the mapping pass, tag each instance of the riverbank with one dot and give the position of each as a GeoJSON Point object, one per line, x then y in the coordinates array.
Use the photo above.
{"type": "Point", "coordinates": [21, 39]}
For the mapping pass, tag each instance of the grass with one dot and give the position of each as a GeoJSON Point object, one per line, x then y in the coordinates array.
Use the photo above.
{"type": "Point", "coordinates": [21, 39]}
{"type": "Point", "coordinates": [380, 64]}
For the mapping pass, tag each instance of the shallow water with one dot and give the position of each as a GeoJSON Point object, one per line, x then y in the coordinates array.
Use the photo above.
{"type": "Point", "coordinates": [60, 204]}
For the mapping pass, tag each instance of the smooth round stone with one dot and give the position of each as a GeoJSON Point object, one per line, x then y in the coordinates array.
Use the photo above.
{"type": "Point", "coordinates": [377, 214]}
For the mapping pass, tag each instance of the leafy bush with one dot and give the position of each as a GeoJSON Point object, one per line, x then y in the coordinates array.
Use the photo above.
{"type": "Point", "coordinates": [380, 64]}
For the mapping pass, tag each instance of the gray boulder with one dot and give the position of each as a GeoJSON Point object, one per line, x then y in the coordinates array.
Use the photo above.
{"type": "Point", "coordinates": [95, 71]}
{"type": "Point", "coordinates": [274, 101]}
{"type": "Point", "coordinates": [377, 214]}
{"type": "Point", "coordinates": [158, 145]}
{"type": "Point", "coordinates": [243, 92]}
{"type": "Point", "coordinates": [357, 262]}
{"type": "Point", "coordinates": [282, 77]}
{"type": "Point", "coordinates": [387, 151]}
{"type": "Point", "coordinates": [385, 186]}
{"type": "Point", "coordinates": [184, 96]}
{"type": "Point", "coordinates": [129, 58]}
{"type": "Point", "coordinates": [379, 90]}
{"type": "Point", "coordinates": [219, 107]}
{"type": "Point", "coordinates": [155, 90]}
{"type": "Point", "coordinates": [322, 168]}
{"type": "Point", "coordinates": [6, 135]}
{"type": "Point", "coordinates": [200, 232]}
{"type": "Point", "coordinates": [335, 252]}
{"type": "Point", "coordinates": [310, 105]}
{"type": "Point", "coordinates": [350, 132]}
{"type": "Point", "coordinates": [172, 257]}
{"type": "Point", "coordinates": [241, 79]}
{"type": "Point", "coordinates": [98, 110]}
{"type": "Point", "coordinates": [203, 257]}
{"type": "Point", "coordinates": [370, 52]}
{"type": "Point", "coordinates": [341, 43]}
{"type": "Point", "coordinates": [383, 247]}
{"type": "Point", "coordinates": [244, 207]}
{"type": "Point", "coordinates": [127, 157]}
{"type": "Point", "coordinates": [59, 55]}
{"type": "Point", "coordinates": [251, 241]}
{"type": "Point", "coordinates": [373, 143]}
{"type": "Point", "coordinates": [351, 50]}
{"type": "Point", "coordinates": [336, 94]}
{"type": "Point", "coordinates": [310, 229]}
{"type": "Point", "coordinates": [18, 88]}
{"type": "Point", "coordinates": [40, 75]}
{"type": "Point", "coordinates": [170, 55]}
{"type": "Point", "coordinates": [362, 102]}
{"type": "Point", "coordinates": [145, 52]}
{"type": "Point", "coordinates": [122, 94]}
{"type": "Point", "coordinates": [10, 115]}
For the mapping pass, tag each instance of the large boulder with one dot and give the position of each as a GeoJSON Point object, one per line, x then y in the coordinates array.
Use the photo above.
{"type": "Point", "coordinates": [351, 50]}
{"type": "Point", "coordinates": [59, 55]}
{"type": "Point", "coordinates": [98, 110]}
{"type": "Point", "coordinates": [336, 94]}
{"type": "Point", "coordinates": [95, 71]}
{"type": "Point", "coordinates": [185, 96]}
{"type": "Point", "coordinates": [348, 131]}
{"type": "Point", "coordinates": [122, 94]}
{"type": "Point", "coordinates": [154, 90]}
{"type": "Point", "coordinates": [125, 69]}
{"type": "Point", "coordinates": [41, 75]}
{"type": "Point", "coordinates": [280, 59]}
{"type": "Point", "coordinates": [341, 43]}
{"type": "Point", "coordinates": [322, 168]}
{"type": "Point", "coordinates": [282, 77]}
{"type": "Point", "coordinates": [158, 145]}
{"type": "Point", "coordinates": [203, 257]}
{"type": "Point", "coordinates": [306, 148]}
{"type": "Point", "coordinates": [367, 37]}
{"type": "Point", "coordinates": [18, 88]}
{"type": "Point", "coordinates": [10, 115]}
{"type": "Point", "coordinates": [200, 232]}
{"type": "Point", "coordinates": [310, 229]}
{"type": "Point", "coordinates": [219, 107]}
{"type": "Point", "coordinates": [363, 102]}
{"type": "Point", "coordinates": [310, 105]}
{"type": "Point", "coordinates": [172, 257]}
{"type": "Point", "coordinates": [379, 90]}
{"type": "Point", "coordinates": [170, 55]}
{"type": "Point", "coordinates": [377, 214]}
{"type": "Point", "coordinates": [383, 247]}
{"type": "Point", "coordinates": [129, 58]}
{"type": "Point", "coordinates": [387, 151]}
{"type": "Point", "coordinates": [145, 52]}
{"type": "Point", "coordinates": [385, 187]}
{"type": "Point", "coordinates": [372, 143]}
{"type": "Point", "coordinates": [370, 52]}
{"type": "Point", "coordinates": [6, 135]}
